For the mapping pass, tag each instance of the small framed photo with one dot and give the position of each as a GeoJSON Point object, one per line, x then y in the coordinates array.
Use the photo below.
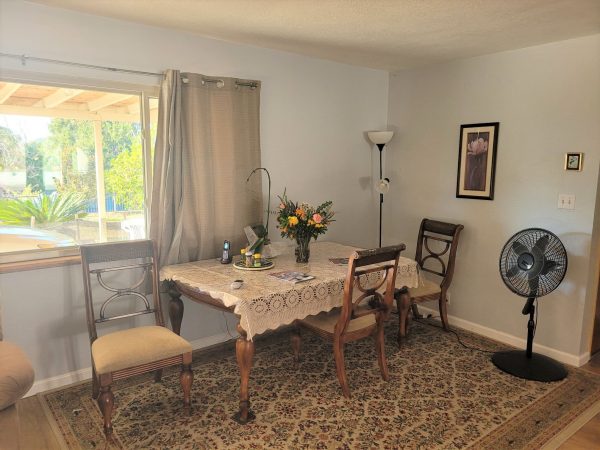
{"type": "Point", "coordinates": [477, 160]}
{"type": "Point", "coordinates": [574, 161]}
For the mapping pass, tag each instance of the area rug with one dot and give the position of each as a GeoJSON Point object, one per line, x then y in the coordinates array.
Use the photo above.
{"type": "Point", "coordinates": [440, 395]}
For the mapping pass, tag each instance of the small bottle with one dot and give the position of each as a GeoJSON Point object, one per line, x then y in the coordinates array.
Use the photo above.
{"type": "Point", "coordinates": [243, 256]}
{"type": "Point", "coordinates": [249, 260]}
{"type": "Point", "coordinates": [257, 261]}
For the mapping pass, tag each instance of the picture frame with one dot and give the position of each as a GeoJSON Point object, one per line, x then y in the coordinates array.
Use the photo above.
{"type": "Point", "coordinates": [477, 149]}
{"type": "Point", "coordinates": [574, 161]}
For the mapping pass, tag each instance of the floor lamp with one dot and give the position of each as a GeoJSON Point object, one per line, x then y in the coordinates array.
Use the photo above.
{"type": "Point", "coordinates": [380, 138]}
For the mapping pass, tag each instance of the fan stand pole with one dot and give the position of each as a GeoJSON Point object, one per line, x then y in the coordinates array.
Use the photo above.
{"type": "Point", "coordinates": [529, 365]}
{"type": "Point", "coordinates": [530, 308]}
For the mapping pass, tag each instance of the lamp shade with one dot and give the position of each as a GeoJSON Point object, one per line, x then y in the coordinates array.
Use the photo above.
{"type": "Point", "coordinates": [380, 137]}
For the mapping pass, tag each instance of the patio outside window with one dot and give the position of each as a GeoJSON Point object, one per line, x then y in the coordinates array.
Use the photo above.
{"type": "Point", "coordinates": [72, 165]}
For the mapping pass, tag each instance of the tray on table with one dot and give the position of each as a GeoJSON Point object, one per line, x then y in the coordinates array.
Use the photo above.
{"type": "Point", "coordinates": [265, 265]}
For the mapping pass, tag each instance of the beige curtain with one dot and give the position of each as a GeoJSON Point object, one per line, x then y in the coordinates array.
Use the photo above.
{"type": "Point", "coordinates": [207, 143]}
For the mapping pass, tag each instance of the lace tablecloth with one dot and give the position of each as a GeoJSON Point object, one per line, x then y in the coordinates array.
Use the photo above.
{"type": "Point", "coordinates": [265, 302]}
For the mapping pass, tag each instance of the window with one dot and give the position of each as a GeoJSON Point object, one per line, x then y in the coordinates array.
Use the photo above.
{"type": "Point", "coordinates": [73, 167]}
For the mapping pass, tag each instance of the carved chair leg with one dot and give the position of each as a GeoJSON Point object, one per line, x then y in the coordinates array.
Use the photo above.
{"type": "Point", "coordinates": [296, 342]}
{"type": "Point", "coordinates": [158, 375]}
{"type": "Point", "coordinates": [244, 351]}
{"type": "Point", "coordinates": [186, 377]}
{"type": "Point", "coordinates": [106, 402]}
{"type": "Point", "coordinates": [444, 311]}
{"type": "Point", "coordinates": [340, 369]}
{"type": "Point", "coordinates": [380, 347]}
{"type": "Point", "coordinates": [415, 311]}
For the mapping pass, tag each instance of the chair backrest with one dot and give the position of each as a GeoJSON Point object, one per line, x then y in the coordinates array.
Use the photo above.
{"type": "Point", "coordinates": [438, 261]}
{"type": "Point", "coordinates": [381, 262]}
{"type": "Point", "coordinates": [133, 259]}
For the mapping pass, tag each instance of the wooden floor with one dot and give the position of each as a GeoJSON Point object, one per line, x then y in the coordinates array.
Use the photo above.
{"type": "Point", "coordinates": [36, 434]}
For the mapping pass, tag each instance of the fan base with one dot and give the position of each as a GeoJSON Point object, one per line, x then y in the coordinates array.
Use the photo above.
{"type": "Point", "coordinates": [538, 367]}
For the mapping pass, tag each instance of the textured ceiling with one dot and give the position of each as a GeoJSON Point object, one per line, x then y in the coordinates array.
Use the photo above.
{"type": "Point", "coordinates": [383, 34]}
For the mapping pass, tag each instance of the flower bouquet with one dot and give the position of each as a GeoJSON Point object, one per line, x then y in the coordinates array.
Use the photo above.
{"type": "Point", "coordinates": [301, 221]}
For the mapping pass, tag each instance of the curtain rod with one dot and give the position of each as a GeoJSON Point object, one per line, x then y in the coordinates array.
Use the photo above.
{"type": "Point", "coordinates": [220, 83]}
{"type": "Point", "coordinates": [25, 58]}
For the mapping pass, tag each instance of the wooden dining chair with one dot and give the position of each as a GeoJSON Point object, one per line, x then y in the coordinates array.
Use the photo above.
{"type": "Point", "coordinates": [352, 321]}
{"type": "Point", "coordinates": [128, 271]}
{"type": "Point", "coordinates": [436, 254]}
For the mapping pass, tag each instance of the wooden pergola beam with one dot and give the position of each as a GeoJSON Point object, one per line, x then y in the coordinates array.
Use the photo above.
{"type": "Point", "coordinates": [8, 90]}
{"type": "Point", "coordinates": [67, 113]}
{"type": "Point", "coordinates": [107, 100]}
{"type": "Point", "coordinates": [56, 98]}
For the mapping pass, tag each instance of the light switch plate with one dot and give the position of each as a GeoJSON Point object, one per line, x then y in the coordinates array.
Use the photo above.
{"type": "Point", "coordinates": [566, 201]}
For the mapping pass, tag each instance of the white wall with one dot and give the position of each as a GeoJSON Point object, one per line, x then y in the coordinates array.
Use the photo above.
{"type": "Point", "coordinates": [547, 100]}
{"type": "Point", "coordinates": [313, 115]}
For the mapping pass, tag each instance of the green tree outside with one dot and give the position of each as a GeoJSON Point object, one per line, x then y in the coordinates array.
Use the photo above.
{"type": "Point", "coordinates": [75, 141]}
{"type": "Point", "coordinates": [125, 178]}
{"type": "Point", "coordinates": [11, 154]}
{"type": "Point", "coordinates": [34, 166]}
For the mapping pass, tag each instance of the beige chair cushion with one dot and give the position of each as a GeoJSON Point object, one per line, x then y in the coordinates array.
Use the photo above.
{"type": "Point", "coordinates": [136, 346]}
{"type": "Point", "coordinates": [16, 374]}
{"type": "Point", "coordinates": [326, 321]}
{"type": "Point", "coordinates": [426, 289]}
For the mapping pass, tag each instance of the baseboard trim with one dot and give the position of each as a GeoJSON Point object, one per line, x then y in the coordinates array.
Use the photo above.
{"type": "Point", "coordinates": [86, 373]}
{"type": "Point", "coordinates": [505, 338]}
{"type": "Point", "coordinates": [584, 358]}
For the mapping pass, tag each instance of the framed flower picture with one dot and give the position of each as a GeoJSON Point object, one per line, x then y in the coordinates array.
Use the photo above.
{"type": "Point", "coordinates": [574, 161]}
{"type": "Point", "coordinates": [477, 160]}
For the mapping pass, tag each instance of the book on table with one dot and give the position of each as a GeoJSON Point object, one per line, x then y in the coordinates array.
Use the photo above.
{"type": "Point", "coordinates": [292, 277]}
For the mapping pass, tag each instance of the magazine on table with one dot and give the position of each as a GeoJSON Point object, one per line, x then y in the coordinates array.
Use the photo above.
{"type": "Point", "coordinates": [339, 261]}
{"type": "Point", "coordinates": [292, 277]}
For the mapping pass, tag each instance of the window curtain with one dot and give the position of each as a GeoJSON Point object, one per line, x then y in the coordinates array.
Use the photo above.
{"type": "Point", "coordinates": [207, 143]}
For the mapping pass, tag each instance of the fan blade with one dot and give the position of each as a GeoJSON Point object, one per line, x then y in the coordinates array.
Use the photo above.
{"type": "Point", "coordinates": [519, 248]}
{"type": "Point", "coordinates": [534, 283]}
{"type": "Point", "coordinates": [541, 244]}
{"type": "Point", "coordinates": [548, 267]}
{"type": "Point", "coordinates": [513, 271]}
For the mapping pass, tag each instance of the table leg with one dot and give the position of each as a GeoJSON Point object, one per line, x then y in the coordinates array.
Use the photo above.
{"type": "Point", "coordinates": [175, 310]}
{"type": "Point", "coordinates": [244, 351]}
{"type": "Point", "coordinates": [403, 305]}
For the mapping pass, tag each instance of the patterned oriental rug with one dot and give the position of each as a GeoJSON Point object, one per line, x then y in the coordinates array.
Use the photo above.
{"type": "Point", "coordinates": [440, 395]}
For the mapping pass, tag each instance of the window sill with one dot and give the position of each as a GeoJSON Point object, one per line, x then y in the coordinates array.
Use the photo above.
{"type": "Point", "coordinates": [33, 260]}
{"type": "Point", "coordinates": [35, 264]}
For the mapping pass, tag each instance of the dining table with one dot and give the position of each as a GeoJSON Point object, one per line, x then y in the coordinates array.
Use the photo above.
{"type": "Point", "coordinates": [264, 301]}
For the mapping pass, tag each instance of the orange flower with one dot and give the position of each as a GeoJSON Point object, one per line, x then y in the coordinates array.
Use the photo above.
{"type": "Point", "coordinates": [292, 220]}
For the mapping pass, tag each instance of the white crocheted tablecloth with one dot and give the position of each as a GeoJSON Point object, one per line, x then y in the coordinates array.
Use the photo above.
{"type": "Point", "coordinates": [265, 302]}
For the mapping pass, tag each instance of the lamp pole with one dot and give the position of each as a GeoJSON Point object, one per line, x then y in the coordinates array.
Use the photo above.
{"type": "Point", "coordinates": [380, 138]}
{"type": "Point", "coordinates": [380, 147]}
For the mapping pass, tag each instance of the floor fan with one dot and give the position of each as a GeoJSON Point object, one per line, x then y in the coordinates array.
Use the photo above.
{"type": "Point", "coordinates": [532, 264]}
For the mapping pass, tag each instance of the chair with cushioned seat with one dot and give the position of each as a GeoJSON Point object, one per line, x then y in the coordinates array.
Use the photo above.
{"type": "Point", "coordinates": [351, 321]}
{"type": "Point", "coordinates": [446, 236]}
{"type": "Point", "coordinates": [16, 378]}
{"type": "Point", "coordinates": [128, 270]}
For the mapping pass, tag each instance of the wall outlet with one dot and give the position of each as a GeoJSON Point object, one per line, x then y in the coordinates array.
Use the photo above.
{"type": "Point", "coordinates": [447, 298]}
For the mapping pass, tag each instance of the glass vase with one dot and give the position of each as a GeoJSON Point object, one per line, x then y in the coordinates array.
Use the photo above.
{"type": "Point", "coordinates": [302, 249]}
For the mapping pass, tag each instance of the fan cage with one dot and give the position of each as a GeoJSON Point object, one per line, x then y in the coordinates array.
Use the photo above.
{"type": "Point", "coordinates": [555, 251]}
